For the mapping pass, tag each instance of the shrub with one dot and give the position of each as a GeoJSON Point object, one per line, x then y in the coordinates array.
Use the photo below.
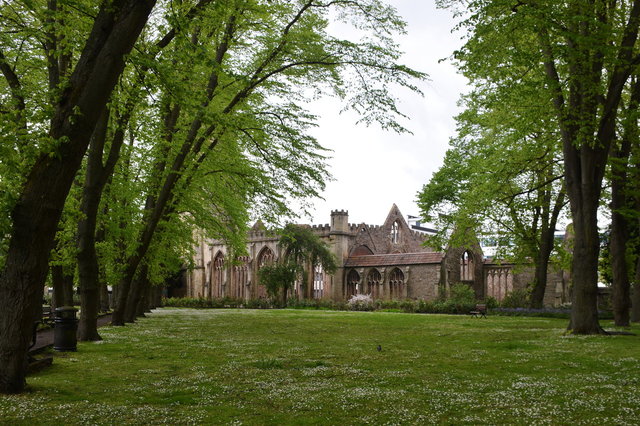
{"type": "Point", "coordinates": [258, 304]}
{"type": "Point", "coordinates": [491, 302]}
{"type": "Point", "coordinates": [516, 299]}
{"type": "Point", "coordinates": [392, 304]}
{"type": "Point", "coordinates": [408, 306]}
{"type": "Point", "coordinates": [201, 302]}
{"type": "Point", "coordinates": [361, 302]}
{"type": "Point", "coordinates": [462, 294]}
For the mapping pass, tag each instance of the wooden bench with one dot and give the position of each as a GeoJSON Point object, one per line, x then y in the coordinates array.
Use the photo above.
{"type": "Point", "coordinates": [480, 311]}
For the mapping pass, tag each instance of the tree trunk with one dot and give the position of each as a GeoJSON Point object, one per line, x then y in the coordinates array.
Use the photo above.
{"type": "Point", "coordinates": [138, 288]}
{"type": "Point", "coordinates": [620, 232]}
{"type": "Point", "coordinates": [621, 286]}
{"type": "Point", "coordinates": [37, 212]}
{"type": "Point", "coordinates": [581, 114]}
{"type": "Point", "coordinates": [147, 300]}
{"type": "Point", "coordinates": [104, 298]}
{"type": "Point", "coordinates": [124, 285]}
{"type": "Point", "coordinates": [539, 287]}
{"type": "Point", "coordinates": [143, 303]}
{"type": "Point", "coordinates": [584, 272]}
{"type": "Point", "coordinates": [88, 269]}
{"type": "Point", "coordinates": [62, 287]}
{"type": "Point", "coordinates": [547, 237]}
{"type": "Point", "coordinates": [635, 301]}
{"type": "Point", "coordinates": [157, 298]}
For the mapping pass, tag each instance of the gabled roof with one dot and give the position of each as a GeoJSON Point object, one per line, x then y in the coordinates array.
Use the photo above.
{"type": "Point", "coordinates": [258, 226]}
{"type": "Point", "coordinates": [394, 259]}
{"type": "Point", "coordinates": [393, 216]}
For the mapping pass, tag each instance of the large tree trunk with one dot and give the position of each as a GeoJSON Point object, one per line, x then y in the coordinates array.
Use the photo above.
{"type": "Point", "coordinates": [539, 287]}
{"type": "Point", "coordinates": [136, 293]}
{"type": "Point", "coordinates": [584, 274]}
{"type": "Point", "coordinates": [635, 302]}
{"type": "Point", "coordinates": [62, 287]}
{"type": "Point", "coordinates": [37, 212]}
{"type": "Point", "coordinates": [105, 306]}
{"type": "Point", "coordinates": [581, 114]}
{"type": "Point", "coordinates": [584, 171]}
{"type": "Point", "coordinates": [88, 269]}
{"type": "Point", "coordinates": [618, 251]}
{"type": "Point", "coordinates": [620, 232]}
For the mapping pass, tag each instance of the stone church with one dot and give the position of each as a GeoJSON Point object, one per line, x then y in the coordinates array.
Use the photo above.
{"type": "Point", "coordinates": [388, 261]}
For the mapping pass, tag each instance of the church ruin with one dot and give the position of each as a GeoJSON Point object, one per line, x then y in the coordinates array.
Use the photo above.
{"type": "Point", "coordinates": [388, 261]}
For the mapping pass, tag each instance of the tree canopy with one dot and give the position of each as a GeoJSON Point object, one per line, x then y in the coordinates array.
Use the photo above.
{"type": "Point", "coordinates": [191, 113]}
{"type": "Point", "coordinates": [579, 56]}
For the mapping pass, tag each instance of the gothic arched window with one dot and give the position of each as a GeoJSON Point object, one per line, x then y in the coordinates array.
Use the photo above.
{"type": "Point", "coordinates": [466, 267]}
{"type": "Point", "coordinates": [395, 233]}
{"type": "Point", "coordinates": [265, 257]}
{"type": "Point", "coordinates": [353, 283]}
{"type": "Point", "coordinates": [218, 275]}
{"type": "Point", "coordinates": [318, 282]}
{"type": "Point", "coordinates": [374, 281]}
{"type": "Point", "coordinates": [240, 277]}
{"type": "Point", "coordinates": [396, 283]}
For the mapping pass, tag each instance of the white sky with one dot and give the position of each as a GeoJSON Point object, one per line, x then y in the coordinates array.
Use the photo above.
{"type": "Point", "coordinates": [374, 169]}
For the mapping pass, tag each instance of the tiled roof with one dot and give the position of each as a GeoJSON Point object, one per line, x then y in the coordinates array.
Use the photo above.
{"type": "Point", "coordinates": [394, 259]}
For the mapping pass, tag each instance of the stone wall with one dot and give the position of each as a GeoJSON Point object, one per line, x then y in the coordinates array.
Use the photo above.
{"type": "Point", "coordinates": [424, 280]}
{"type": "Point", "coordinates": [501, 279]}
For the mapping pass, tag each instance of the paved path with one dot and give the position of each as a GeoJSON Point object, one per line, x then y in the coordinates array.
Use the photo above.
{"type": "Point", "coordinates": [45, 337]}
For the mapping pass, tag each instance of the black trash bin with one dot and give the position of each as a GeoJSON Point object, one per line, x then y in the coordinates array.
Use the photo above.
{"type": "Point", "coordinates": [65, 328]}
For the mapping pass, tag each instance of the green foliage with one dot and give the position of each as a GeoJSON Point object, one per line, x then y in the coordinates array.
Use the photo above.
{"type": "Point", "coordinates": [202, 303]}
{"type": "Point", "coordinates": [516, 299]}
{"type": "Point", "coordinates": [301, 245]}
{"type": "Point", "coordinates": [462, 294]}
{"type": "Point", "coordinates": [491, 302]}
{"type": "Point", "coordinates": [278, 278]}
{"type": "Point", "coordinates": [215, 122]}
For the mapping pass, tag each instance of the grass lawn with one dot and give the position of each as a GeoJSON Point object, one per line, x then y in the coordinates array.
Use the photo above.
{"type": "Point", "coordinates": [183, 366]}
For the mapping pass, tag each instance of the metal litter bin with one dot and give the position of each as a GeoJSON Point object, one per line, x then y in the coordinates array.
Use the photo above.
{"type": "Point", "coordinates": [65, 329]}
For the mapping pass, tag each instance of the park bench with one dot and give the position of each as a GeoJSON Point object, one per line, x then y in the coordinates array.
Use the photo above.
{"type": "Point", "coordinates": [480, 311]}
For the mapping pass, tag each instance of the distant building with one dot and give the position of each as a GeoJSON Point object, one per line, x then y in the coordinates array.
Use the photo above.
{"type": "Point", "coordinates": [388, 261]}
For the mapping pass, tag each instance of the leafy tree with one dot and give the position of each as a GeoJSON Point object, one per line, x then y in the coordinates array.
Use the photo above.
{"type": "Point", "coordinates": [50, 106]}
{"type": "Point", "coordinates": [278, 279]}
{"type": "Point", "coordinates": [242, 107]}
{"type": "Point", "coordinates": [502, 177]}
{"type": "Point", "coordinates": [127, 105]}
{"type": "Point", "coordinates": [623, 212]}
{"type": "Point", "coordinates": [303, 250]}
{"type": "Point", "coordinates": [588, 53]}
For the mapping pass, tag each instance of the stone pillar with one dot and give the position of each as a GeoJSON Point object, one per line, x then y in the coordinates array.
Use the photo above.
{"type": "Point", "coordinates": [339, 237]}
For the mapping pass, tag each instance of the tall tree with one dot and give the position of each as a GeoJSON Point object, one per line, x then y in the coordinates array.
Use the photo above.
{"type": "Point", "coordinates": [69, 118]}
{"type": "Point", "coordinates": [588, 51]}
{"type": "Point", "coordinates": [622, 209]}
{"type": "Point", "coordinates": [104, 152]}
{"type": "Point", "coordinates": [502, 177]}
{"type": "Point", "coordinates": [246, 102]}
{"type": "Point", "coordinates": [302, 251]}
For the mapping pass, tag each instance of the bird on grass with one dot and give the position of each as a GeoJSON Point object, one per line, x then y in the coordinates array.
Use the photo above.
{"type": "Point", "coordinates": [379, 348]}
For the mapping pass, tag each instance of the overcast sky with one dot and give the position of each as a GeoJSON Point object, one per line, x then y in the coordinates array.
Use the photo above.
{"type": "Point", "coordinates": [374, 169]}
